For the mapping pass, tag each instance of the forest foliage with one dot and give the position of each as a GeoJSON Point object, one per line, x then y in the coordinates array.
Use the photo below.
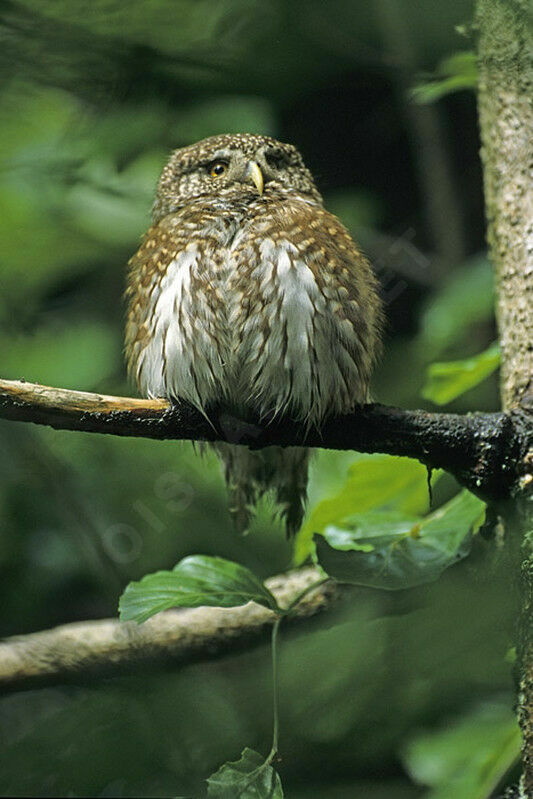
{"type": "Point", "coordinates": [407, 692]}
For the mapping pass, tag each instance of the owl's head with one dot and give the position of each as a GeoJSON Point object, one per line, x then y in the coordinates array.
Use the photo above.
{"type": "Point", "coordinates": [232, 166]}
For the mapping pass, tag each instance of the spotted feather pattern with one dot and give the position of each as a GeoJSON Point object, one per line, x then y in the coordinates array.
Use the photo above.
{"type": "Point", "coordinates": [252, 302]}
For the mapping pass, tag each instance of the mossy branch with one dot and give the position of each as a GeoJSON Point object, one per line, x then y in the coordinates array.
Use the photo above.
{"type": "Point", "coordinates": [108, 647]}
{"type": "Point", "coordinates": [482, 450]}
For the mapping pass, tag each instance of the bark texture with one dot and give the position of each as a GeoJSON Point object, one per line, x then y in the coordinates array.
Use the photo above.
{"type": "Point", "coordinates": [506, 119]}
{"type": "Point", "coordinates": [111, 647]}
{"type": "Point", "coordinates": [505, 59]}
{"type": "Point", "coordinates": [480, 449]}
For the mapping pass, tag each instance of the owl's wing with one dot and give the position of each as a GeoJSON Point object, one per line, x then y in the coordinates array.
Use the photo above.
{"type": "Point", "coordinates": [310, 316]}
{"type": "Point", "coordinates": [174, 332]}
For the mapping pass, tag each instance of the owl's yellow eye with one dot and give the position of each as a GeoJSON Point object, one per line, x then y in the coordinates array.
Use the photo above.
{"type": "Point", "coordinates": [217, 168]}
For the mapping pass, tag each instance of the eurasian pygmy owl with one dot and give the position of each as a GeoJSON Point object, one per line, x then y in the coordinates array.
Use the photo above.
{"type": "Point", "coordinates": [247, 296]}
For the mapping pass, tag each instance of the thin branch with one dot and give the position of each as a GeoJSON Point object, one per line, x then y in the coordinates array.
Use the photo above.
{"type": "Point", "coordinates": [481, 449]}
{"type": "Point", "coordinates": [108, 646]}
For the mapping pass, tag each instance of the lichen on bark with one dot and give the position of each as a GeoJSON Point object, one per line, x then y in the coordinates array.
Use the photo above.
{"type": "Point", "coordinates": [505, 61]}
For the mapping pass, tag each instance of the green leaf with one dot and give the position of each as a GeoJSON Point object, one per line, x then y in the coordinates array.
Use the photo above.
{"type": "Point", "coordinates": [394, 551]}
{"type": "Point", "coordinates": [466, 299]}
{"type": "Point", "coordinates": [469, 758]}
{"type": "Point", "coordinates": [196, 581]}
{"type": "Point", "coordinates": [379, 481]}
{"type": "Point", "coordinates": [251, 777]}
{"type": "Point", "coordinates": [447, 380]}
{"type": "Point", "coordinates": [458, 71]}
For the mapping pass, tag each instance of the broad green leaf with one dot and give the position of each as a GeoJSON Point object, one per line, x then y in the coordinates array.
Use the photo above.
{"type": "Point", "coordinates": [196, 581]}
{"type": "Point", "coordinates": [380, 481]}
{"type": "Point", "coordinates": [394, 551]}
{"type": "Point", "coordinates": [251, 777]}
{"type": "Point", "coordinates": [448, 380]}
{"type": "Point", "coordinates": [466, 298]}
{"type": "Point", "coordinates": [469, 758]}
{"type": "Point", "coordinates": [360, 531]}
{"type": "Point", "coordinates": [458, 71]}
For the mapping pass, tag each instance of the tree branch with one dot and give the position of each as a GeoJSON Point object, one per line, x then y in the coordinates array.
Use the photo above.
{"type": "Point", "coordinates": [111, 647]}
{"type": "Point", "coordinates": [480, 449]}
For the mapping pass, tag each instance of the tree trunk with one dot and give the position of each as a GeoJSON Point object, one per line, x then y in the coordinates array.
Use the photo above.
{"type": "Point", "coordinates": [505, 59]}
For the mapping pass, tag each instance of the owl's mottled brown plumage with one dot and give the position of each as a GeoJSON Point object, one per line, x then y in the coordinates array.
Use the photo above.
{"type": "Point", "coordinates": [247, 295]}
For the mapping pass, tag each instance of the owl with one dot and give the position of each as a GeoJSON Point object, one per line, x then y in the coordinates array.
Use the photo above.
{"type": "Point", "coordinates": [247, 297]}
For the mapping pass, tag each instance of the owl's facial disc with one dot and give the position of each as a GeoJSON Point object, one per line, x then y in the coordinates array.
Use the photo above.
{"type": "Point", "coordinates": [232, 167]}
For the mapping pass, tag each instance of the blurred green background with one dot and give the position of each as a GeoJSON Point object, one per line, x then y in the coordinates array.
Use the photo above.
{"type": "Point", "coordinates": [380, 698]}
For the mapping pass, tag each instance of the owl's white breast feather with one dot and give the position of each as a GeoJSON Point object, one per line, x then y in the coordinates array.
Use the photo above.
{"type": "Point", "coordinates": [181, 358]}
{"type": "Point", "coordinates": [285, 351]}
{"type": "Point", "coordinates": [295, 354]}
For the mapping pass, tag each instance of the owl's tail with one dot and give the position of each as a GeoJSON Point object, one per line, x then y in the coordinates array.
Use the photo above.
{"type": "Point", "coordinates": [250, 474]}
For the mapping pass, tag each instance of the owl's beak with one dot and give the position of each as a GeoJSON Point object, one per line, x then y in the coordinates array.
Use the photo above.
{"type": "Point", "coordinates": [253, 171]}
